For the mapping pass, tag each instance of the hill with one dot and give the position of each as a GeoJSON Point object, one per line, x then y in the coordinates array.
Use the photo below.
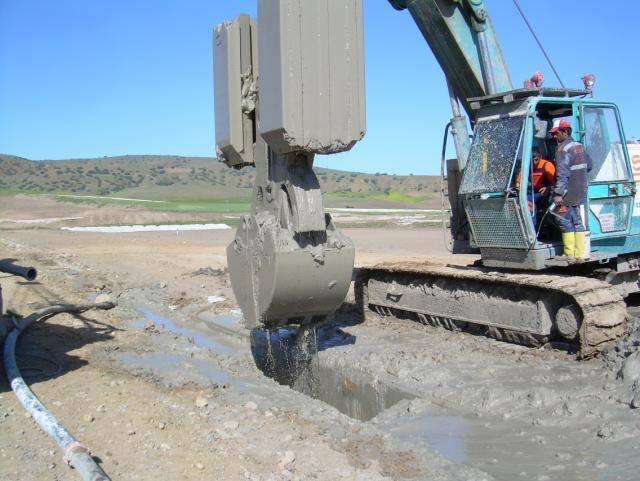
{"type": "Point", "coordinates": [162, 177]}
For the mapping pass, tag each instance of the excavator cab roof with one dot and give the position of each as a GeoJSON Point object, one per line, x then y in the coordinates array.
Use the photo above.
{"type": "Point", "coordinates": [477, 103]}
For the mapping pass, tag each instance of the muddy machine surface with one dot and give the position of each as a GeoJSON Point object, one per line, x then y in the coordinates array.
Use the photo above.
{"type": "Point", "coordinates": [276, 107]}
{"type": "Point", "coordinates": [291, 86]}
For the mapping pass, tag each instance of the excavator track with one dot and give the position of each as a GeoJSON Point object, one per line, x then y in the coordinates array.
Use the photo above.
{"type": "Point", "coordinates": [530, 309]}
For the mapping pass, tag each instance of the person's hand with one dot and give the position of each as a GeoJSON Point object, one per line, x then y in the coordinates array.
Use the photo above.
{"type": "Point", "coordinates": [544, 190]}
{"type": "Point", "coordinates": [557, 199]}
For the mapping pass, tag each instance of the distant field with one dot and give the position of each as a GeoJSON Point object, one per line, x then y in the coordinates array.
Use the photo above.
{"type": "Point", "coordinates": [167, 205]}
{"type": "Point", "coordinates": [198, 184]}
{"type": "Point", "coordinates": [197, 210]}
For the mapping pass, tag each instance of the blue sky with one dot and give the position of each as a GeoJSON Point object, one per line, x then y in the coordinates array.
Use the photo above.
{"type": "Point", "coordinates": [115, 77]}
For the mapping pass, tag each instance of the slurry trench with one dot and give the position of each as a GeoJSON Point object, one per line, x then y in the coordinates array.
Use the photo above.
{"type": "Point", "coordinates": [505, 448]}
{"type": "Point", "coordinates": [291, 357]}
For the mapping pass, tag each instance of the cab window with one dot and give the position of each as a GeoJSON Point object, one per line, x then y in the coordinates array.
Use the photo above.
{"type": "Point", "coordinates": [603, 144]}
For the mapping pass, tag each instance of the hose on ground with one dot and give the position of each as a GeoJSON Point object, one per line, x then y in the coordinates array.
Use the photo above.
{"type": "Point", "coordinates": [75, 454]}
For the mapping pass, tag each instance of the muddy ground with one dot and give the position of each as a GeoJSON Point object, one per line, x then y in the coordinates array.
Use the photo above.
{"type": "Point", "coordinates": [168, 385]}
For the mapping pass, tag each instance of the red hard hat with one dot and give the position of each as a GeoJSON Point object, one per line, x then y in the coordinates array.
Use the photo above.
{"type": "Point", "coordinates": [560, 124]}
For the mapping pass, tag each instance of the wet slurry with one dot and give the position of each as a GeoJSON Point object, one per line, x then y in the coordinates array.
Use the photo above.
{"type": "Point", "coordinates": [509, 411]}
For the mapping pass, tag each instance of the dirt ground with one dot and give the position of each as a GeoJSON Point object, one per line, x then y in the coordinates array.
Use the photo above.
{"type": "Point", "coordinates": [169, 386]}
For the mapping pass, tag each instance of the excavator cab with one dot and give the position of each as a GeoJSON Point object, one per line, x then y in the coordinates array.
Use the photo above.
{"type": "Point", "coordinates": [512, 226]}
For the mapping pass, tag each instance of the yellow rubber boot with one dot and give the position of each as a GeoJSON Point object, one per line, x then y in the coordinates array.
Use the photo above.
{"type": "Point", "coordinates": [580, 247]}
{"type": "Point", "coordinates": [569, 243]}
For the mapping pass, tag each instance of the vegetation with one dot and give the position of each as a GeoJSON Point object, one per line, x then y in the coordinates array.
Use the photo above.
{"type": "Point", "coordinates": [198, 184]}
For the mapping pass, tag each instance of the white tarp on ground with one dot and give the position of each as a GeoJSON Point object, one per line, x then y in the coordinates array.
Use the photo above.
{"type": "Point", "coordinates": [72, 196]}
{"type": "Point", "coordinates": [148, 228]}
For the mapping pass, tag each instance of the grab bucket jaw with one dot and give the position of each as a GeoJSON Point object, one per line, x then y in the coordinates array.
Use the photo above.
{"type": "Point", "coordinates": [280, 278]}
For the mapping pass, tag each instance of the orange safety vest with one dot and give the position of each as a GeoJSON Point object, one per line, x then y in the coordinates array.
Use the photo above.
{"type": "Point", "coordinates": [544, 175]}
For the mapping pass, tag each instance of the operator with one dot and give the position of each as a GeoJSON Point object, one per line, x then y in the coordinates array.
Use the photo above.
{"type": "Point", "coordinates": [543, 177]}
{"type": "Point", "coordinates": [570, 190]}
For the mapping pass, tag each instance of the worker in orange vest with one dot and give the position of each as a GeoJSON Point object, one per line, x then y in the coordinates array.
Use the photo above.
{"type": "Point", "coordinates": [543, 177]}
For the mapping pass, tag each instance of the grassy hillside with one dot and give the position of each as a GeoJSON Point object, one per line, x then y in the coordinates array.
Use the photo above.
{"type": "Point", "coordinates": [193, 179]}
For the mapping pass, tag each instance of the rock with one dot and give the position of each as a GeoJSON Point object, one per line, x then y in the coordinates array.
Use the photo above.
{"type": "Point", "coordinates": [162, 425]}
{"type": "Point", "coordinates": [163, 285]}
{"type": "Point", "coordinates": [605, 431]}
{"type": "Point", "coordinates": [103, 298]}
{"type": "Point", "coordinates": [165, 447]}
{"type": "Point", "coordinates": [230, 425]}
{"type": "Point", "coordinates": [149, 326]}
{"type": "Point", "coordinates": [199, 466]}
{"type": "Point", "coordinates": [88, 418]}
{"type": "Point", "coordinates": [101, 408]}
{"type": "Point", "coordinates": [131, 432]}
{"type": "Point", "coordinates": [251, 406]}
{"type": "Point", "coordinates": [563, 456]}
{"type": "Point", "coordinates": [287, 459]}
{"type": "Point", "coordinates": [635, 401]}
{"type": "Point", "coordinates": [631, 367]}
{"type": "Point", "coordinates": [201, 402]}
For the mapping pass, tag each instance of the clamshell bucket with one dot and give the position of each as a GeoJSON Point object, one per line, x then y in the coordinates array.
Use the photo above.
{"type": "Point", "coordinates": [278, 280]}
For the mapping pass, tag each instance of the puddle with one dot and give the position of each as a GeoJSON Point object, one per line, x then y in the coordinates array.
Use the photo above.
{"type": "Point", "coordinates": [291, 358]}
{"type": "Point", "coordinates": [447, 435]}
{"type": "Point", "coordinates": [199, 339]}
{"type": "Point", "coordinates": [508, 451]}
{"type": "Point", "coordinates": [175, 366]}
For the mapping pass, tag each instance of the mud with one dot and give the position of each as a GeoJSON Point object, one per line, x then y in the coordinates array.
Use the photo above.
{"type": "Point", "coordinates": [182, 385]}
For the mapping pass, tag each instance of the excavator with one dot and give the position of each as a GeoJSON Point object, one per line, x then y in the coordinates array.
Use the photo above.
{"type": "Point", "coordinates": [290, 85]}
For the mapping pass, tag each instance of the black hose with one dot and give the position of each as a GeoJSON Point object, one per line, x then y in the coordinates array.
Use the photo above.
{"type": "Point", "coordinates": [442, 170]}
{"type": "Point", "coordinates": [29, 273]}
{"type": "Point", "coordinates": [75, 454]}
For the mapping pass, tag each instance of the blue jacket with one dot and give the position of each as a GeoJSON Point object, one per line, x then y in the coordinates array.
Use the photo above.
{"type": "Point", "coordinates": [572, 167]}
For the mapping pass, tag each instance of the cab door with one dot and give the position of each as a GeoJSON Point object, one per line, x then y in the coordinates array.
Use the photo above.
{"type": "Point", "coordinates": [611, 186]}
